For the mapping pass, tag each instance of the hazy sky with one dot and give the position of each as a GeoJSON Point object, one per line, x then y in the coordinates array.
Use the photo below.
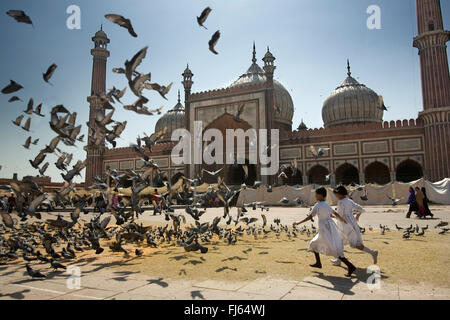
{"type": "Point", "coordinates": [311, 40]}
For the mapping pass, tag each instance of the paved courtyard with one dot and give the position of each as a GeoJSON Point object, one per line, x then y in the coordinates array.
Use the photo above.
{"type": "Point", "coordinates": [272, 268]}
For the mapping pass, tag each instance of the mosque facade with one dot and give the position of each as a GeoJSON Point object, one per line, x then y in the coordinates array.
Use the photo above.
{"type": "Point", "coordinates": [360, 146]}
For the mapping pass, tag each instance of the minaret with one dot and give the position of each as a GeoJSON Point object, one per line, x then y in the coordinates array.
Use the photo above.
{"type": "Point", "coordinates": [269, 69]}
{"type": "Point", "coordinates": [187, 84]}
{"type": "Point", "coordinates": [94, 161]}
{"type": "Point", "coordinates": [435, 76]}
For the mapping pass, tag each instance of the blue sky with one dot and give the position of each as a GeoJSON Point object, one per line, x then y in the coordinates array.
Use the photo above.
{"type": "Point", "coordinates": [311, 40]}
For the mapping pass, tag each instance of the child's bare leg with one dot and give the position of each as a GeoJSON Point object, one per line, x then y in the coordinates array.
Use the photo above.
{"type": "Point", "coordinates": [374, 253]}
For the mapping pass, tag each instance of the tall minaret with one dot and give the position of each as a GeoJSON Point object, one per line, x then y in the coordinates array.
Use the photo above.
{"type": "Point", "coordinates": [94, 161]}
{"type": "Point", "coordinates": [431, 43]}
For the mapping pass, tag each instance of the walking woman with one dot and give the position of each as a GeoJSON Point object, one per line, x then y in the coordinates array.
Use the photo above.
{"type": "Point", "coordinates": [327, 241]}
{"type": "Point", "coordinates": [350, 231]}
{"type": "Point", "coordinates": [412, 203]}
{"type": "Point", "coordinates": [426, 203]}
{"type": "Point", "coordinates": [420, 202]}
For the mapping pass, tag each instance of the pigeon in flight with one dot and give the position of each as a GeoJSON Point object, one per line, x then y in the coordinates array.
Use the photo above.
{"type": "Point", "coordinates": [205, 13]}
{"type": "Point", "coordinates": [121, 21]}
{"type": "Point", "coordinates": [49, 73]}
{"type": "Point", "coordinates": [11, 87]}
{"type": "Point", "coordinates": [212, 43]}
{"type": "Point", "coordinates": [29, 107]}
{"type": "Point", "coordinates": [14, 98]}
{"type": "Point", "coordinates": [19, 16]}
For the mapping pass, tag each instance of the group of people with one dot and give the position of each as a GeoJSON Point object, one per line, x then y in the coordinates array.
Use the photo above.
{"type": "Point", "coordinates": [332, 236]}
{"type": "Point", "coordinates": [8, 203]}
{"type": "Point", "coordinates": [418, 203]}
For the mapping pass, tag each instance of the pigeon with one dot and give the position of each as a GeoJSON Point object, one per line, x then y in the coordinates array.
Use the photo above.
{"type": "Point", "coordinates": [18, 120]}
{"type": "Point", "coordinates": [19, 16]}
{"type": "Point", "coordinates": [43, 169]}
{"type": "Point", "coordinates": [394, 201]}
{"type": "Point", "coordinates": [7, 219]}
{"type": "Point", "coordinates": [130, 66]}
{"type": "Point", "coordinates": [381, 105]}
{"type": "Point", "coordinates": [11, 87]}
{"type": "Point", "coordinates": [212, 173]}
{"type": "Point", "coordinates": [162, 90]}
{"type": "Point", "coordinates": [205, 13]}
{"type": "Point", "coordinates": [237, 115]}
{"type": "Point", "coordinates": [29, 107]}
{"type": "Point", "coordinates": [34, 273]}
{"type": "Point", "coordinates": [49, 73]}
{"type": "Point", "coordinates": [441, 224]}
{"type": "Point", "coordinates": [38, 160]}
{"type": "Point", "coordinates": [56, 265]}
{"type": "Point", "coordinates": [212, 43]}
{"type": "Point", "coordinates": [27, 143]}
{"type": "Point", "coordinates": [121, 21]}
{"type": "Point", "coordinates": [27, 124]}
{"type": "Point", "coordinates": [14, 98]}
{"type": "Point", "coordinates": [318, 152]}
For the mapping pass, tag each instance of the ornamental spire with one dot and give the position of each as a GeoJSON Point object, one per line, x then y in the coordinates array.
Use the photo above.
{"type": "Point", "coordinates": [349, 73]}
{"type": "Point", "coordinates": [254, 53]}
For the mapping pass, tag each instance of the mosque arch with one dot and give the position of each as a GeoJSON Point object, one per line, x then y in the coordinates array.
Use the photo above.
{"type": "Point", "coordinates": [377, 172]}
{"type": "Point", "coordinates": [347, 174]}
{"type": "Point", "coordinates": [293, 179]}
{"type": "Point", "coordinates": [317, 175]}
{"type": "Point", "coordinates": [235, 174]}
{"type": "Point", "coordinates": [408, 170]}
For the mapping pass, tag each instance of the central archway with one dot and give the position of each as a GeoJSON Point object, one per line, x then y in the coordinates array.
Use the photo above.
{"type": "Point", "coordinates": [378, 173]}
{"type": "Point", "coordinates": [235, 174]}
{"type": "Point", "coordinates": [317, 175]}
{"type": "Point", "coordinates": [293, 179]}
{"type": "Point", "coordinates": [347, 174]}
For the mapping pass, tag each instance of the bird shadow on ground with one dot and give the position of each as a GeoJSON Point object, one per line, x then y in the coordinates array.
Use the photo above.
{"type": "Point", "coordinates": [158, 282]}
{"type": "Point", "coordinates": [197, 294]}
{"type": "Point", "coordinates": [100, 266]}
{"type": "Point", "coordinates": [19, 295]}
{"type": "Point", "coordinates": [180, 257]}
{"type": "Point", "coordinates": [225, 268]}
{"type": "Point", "coordinates": [284, 262]}
{"type": "Point", "coordinates": [234, 258]}
{"type": "Point", "coordinates": [193, 262]}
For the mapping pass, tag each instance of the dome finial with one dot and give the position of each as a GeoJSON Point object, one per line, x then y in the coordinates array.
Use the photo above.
{"type": "Point", "coordinates": [349, 73]}
{"type": "Point", "coordinates": [179, 99]}
{"type": "Point", "coordinates": [101, 27]}
{"type": "Point", "coordinates": [254, 52]}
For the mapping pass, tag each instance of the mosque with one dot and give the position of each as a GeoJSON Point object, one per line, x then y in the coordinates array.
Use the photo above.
{"type": "Point", "coordinates": [361, 147]}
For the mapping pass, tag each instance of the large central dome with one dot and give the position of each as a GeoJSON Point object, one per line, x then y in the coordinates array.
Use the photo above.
{"type": "Point", "coordinates": [351, 103]}
{"type": "Point", "coordinates": [282, 98]}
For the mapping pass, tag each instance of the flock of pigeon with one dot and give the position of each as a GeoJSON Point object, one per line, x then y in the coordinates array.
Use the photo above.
{"type": "Point", "coordinates": [60, 239]}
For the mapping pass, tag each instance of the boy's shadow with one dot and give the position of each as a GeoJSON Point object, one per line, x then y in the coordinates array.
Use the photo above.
{"type": "Point", "coordinates": [344, 284]}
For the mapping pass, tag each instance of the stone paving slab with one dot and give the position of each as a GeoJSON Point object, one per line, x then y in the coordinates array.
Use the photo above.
{"type": "Point", "coordinates": [272, 288]}
{"type": "Point", "coordinates": [220, 285]}
{"type": "Point", "coordinates": [361, 292]}
{"type": "Point", "coordinates": [310, 293]}
{"type": "Point", "coordinates": [88, 294]}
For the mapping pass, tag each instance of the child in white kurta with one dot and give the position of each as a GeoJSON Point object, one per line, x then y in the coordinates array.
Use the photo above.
{"type": "Point", "coordinates": [327, 240]}
{"type": "Point", "coordinates": [350, 231]}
